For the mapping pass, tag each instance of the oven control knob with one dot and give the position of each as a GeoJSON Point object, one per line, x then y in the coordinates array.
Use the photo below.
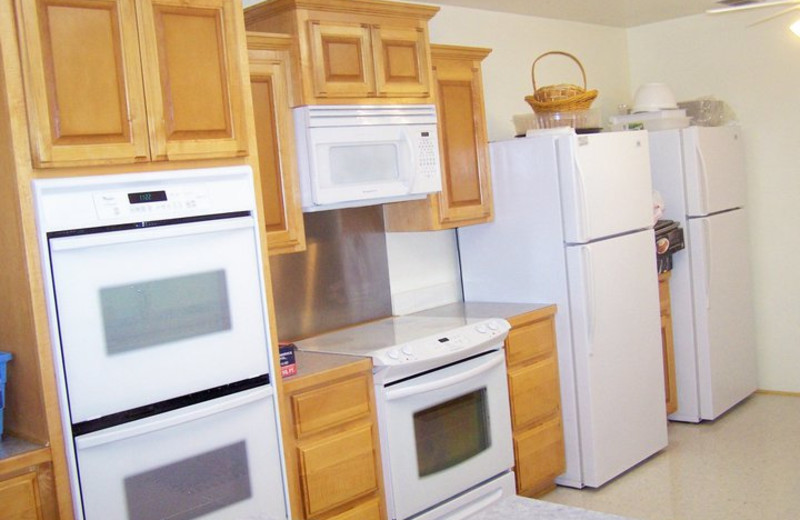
{"type": "Point", "coordinates": [493, 325]}
{"type": "Point", "coordinates": [481, 329]}
{"type": "Point", "coordinates": [393, 354]}
{"type": "Point", "coordinates": [407, 350]}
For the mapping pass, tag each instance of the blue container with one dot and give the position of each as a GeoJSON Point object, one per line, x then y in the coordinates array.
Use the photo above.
{"type": "Point", "coordinates": [4, 359]}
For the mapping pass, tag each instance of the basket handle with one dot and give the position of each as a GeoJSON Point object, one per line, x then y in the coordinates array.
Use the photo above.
{"type": "Point", "coordinates": [568, 55]}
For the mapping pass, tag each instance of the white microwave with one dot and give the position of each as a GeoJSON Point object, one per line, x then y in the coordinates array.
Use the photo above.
{"type": "Point", "coordinates": [359, 155]}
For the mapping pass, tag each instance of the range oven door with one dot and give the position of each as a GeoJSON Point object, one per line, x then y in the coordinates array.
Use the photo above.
{"type": "Point", "coordinates": [217, 460]}
{"type": "Point", "coordinates": [152, 314]}
{"type": "Point", "coordinates": [445, 432]}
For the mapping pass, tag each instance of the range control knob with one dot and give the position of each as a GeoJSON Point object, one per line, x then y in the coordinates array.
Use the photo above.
{"type": "Point", "coordinates": [393, 354]}
{"type": "Point", "coordinates": [407, 350]}
{"type": "Point", "coordinates": [493, 325]}
{"type": "Point", "coordinates": [481, 329]}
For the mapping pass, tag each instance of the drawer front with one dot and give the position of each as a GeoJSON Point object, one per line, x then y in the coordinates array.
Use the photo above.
{"type": "Point", "coordinates": [530, 341]}
{"type": "Point", "coordinates": [534, 392]}
{"type": "Point", "coordinates": [19, 497]}
{"type": "Point", "coordinates": [330, 405]}
{"type": "Point", "coordinates": [338, 469]}
{"type": "Point", "coordinates": [367, 511]}
{"type": "Point", "coordinates": [539, 456]}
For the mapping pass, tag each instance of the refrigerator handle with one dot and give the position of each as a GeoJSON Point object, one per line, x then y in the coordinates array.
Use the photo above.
{"type": "Point", "coordinates": [707, 244]}
{"type": "Point", "coordinates": [586, 257]}
{"type": "Point", "coordinates": [703, 173]}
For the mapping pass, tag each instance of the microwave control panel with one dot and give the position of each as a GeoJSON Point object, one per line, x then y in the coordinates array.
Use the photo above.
{"type": "Point", "coordinates": [428, 154]}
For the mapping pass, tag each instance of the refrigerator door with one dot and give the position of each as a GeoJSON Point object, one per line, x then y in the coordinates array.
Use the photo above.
{"type": "Point", "coordinates": [616, 326]}
{"type": "Point", "coordinates": [726, 356]}
{"type": "Point", "coordinates": [714, 169]}
{"type": "Point", "coordinates": [606, 187]}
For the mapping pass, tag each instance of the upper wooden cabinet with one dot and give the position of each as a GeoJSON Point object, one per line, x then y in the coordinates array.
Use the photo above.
{"type": "Point", "coordinates": [123, 81]}
{"type": "Point", "coordinates": [277, 165]}
{"type": "Point", "coordinates": [353, 51]}
{"type": "Point", "coordinates": [466, 196]}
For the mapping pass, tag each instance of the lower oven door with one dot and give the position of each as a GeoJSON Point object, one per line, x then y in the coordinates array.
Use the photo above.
{"type": "Point", "coordinates": [219, 459]}
{"type": "Point", "coordinates": [445, 432]}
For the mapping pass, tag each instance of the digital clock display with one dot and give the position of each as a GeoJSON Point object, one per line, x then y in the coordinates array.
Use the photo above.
{"type": "Point", "coordinates": [144, 197]}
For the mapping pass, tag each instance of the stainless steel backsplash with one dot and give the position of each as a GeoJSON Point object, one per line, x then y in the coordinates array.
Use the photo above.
{"type": "Point", "coordinates": [341, 279]}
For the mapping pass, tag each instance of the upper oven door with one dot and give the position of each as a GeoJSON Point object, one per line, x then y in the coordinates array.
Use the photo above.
{"type": "Point", "coordinates": [146, 315]}
{"type": "Point", "coordinates": [446, 431]}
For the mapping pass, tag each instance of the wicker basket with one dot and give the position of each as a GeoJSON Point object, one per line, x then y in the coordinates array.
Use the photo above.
{"type": "Point", "coordinates": [562, 97]}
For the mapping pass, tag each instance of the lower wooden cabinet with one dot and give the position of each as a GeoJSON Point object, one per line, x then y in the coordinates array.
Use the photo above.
{"type": "Point", "coordinates": [534, 391]}
{"type": "Point", "coordinates": [670, 386]}
{"type": "Point", "coordinates": [19, 497]}
{"type": "Point", "coordinates": [331, 444]}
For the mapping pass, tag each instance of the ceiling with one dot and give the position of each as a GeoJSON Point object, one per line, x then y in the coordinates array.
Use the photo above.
{"type": "Point", "coordinates": [615, 13]}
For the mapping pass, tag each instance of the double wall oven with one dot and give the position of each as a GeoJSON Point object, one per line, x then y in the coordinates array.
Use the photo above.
{"type": "Point", "coordinates": [160, 336]}
{"type": "Point", "coordinates": [443, 411]}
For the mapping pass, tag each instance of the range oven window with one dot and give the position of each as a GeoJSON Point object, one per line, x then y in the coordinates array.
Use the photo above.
{"type": "Point", "coordinates": [451, 432]}
{"type": "Point", "coordinates": [154, 312]}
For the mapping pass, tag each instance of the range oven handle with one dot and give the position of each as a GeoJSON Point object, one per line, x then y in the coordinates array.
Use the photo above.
{"type": "Point", "coordinates": [161, 422]}
{"type": "Point", "coordinates": [149, 233]}
{"type": "Point", "coordinates": [408, 391]}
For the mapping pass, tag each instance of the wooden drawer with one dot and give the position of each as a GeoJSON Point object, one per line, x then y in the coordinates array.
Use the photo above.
{"type": "Point", "coordinates": [367, 511]}
{"type": "Point", "coordinates": [540, 457]}
{"type": "Point", "coordinates": [19, 497]}
{"type": "Point", "coordinates": [330, 405]}
{"type": "Point", "coordinates": [530, 341]}
{"type": "Point", "coordinates": [534, 392]}
{"type": "Point", "coordinates": [338, 469]}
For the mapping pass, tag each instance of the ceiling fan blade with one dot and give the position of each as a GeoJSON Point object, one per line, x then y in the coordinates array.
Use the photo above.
{"type": "Point", "coordinates": [753, 5]}
{"type": "Point", "coordinates": [775, 15]}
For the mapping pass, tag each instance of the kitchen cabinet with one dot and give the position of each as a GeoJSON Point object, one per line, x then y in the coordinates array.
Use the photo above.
{"type": "Point", "coordinates": [26, 485]}
{"type": "Point", "coordinates": [331, 440]}
{"type": "Point", "coordinates": [466, 196]}
{"type": "Point", "coordinates": [353, 51]}
{"type": "Point", "coordinates": [268, 56]}
{"type": "Point", "coordinates": [125, 81]}
{"type": "Point", "coordinates": [670, 385]}
{"type": "Point", "coordinates": [535, 395]}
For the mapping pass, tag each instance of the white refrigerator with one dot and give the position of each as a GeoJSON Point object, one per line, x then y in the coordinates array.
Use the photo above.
{"type": "Point", "coordinates": [701, 176]}
{"type": "Point", "coordinates": [573, 226]}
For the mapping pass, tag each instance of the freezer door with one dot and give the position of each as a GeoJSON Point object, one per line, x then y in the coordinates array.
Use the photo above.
{"type": "Point", "coordinates": [726, 355]}
{"type": "Point", "coordinates": [714, 169]}
{"type": "Point", "coordinates": [605, 182]}
{"type": "Point", "coordinates": [616, 330]}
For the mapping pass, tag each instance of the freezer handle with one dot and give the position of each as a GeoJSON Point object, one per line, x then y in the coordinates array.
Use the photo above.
{"type": "Point", "coordinates": [703, 174]}
{"type": "Point", "coordinates": [580, 208]}
{"type": "Point", "coordinates": [707, 258]}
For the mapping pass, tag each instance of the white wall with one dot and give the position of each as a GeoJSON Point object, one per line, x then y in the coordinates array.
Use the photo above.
{"type": "Point", "coordinates": [423, 267]}
{"type": "Point", "coordinates": [756, 71]}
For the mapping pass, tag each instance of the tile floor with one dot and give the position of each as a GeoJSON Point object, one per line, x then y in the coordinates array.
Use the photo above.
{"type": "Point", "coordinates": [743, 466]}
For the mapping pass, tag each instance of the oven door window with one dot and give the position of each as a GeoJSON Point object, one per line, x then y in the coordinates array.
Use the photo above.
{"type": "Point", "coordinates": [181, 305]}
{"type": "Point", "coordinates": [437, 448]}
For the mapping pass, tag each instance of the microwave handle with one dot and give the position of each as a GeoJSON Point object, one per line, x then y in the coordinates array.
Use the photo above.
{"type": "Point", "coordinates": [168, 420]}
{"type": "Point", "coordinates": [400, 393]}
{"type": "Point", "coordinates": [150, 233]}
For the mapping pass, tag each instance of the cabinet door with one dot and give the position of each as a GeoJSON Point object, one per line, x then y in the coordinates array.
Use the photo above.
{"type": "Point", "coordinates": [401, 61]}
{"type": "Point", "coordinates": [341, 60]}
{"type": "Point", "coordinates": [193, 78]}
{"type": "Point", "coordinates": [20, 498]}
{"type": "Point", "coordinates": [465, 192]}
{"type": "Point", "coordinates": [83, 82]}
{"type": "Point", "coordinates": [269, 80]}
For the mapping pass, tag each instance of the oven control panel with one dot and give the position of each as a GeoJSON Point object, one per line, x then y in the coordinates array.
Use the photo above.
{"type": "Point", "coordinates": [446, 347]}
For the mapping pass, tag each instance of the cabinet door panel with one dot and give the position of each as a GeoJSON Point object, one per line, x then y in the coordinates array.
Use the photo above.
{"type": "Point", "coordinates": [276, 161]}
{"type": "Point", "coordinates": [83, 82]}
{"type": "Point", "coordinates": [367, 511]}
{"type": "Point", "coordinates": [341, 60]}
{"type": "Point", "coordinates": [338, 469]}
{"type": "Point", "coordinates": [193, 82]}
{"type": "Point", "coordinates": [20, 498]}
{"type": "Point", "coordinates": [401, 61]}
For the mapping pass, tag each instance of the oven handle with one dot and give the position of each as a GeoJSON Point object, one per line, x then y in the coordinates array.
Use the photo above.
{"type": "Point", "coordinates": [400, 393]}
{"type": "Point", "coordinates": [149, 233]}
{"type": "Point", "coordinates": [159, 422]}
